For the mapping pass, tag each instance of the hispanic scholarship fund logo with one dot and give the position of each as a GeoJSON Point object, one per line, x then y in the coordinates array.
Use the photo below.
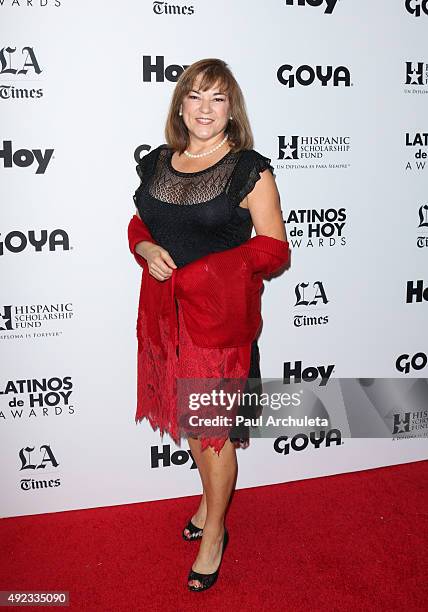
{"type": "Point", "coordinates": [29, 321]}
{"type": "Point", "coordinates": [417, 78]}
{"type": "Point", "coordinates": [410, 425]}
{"type": "Point", "coordinates": [296, 152]}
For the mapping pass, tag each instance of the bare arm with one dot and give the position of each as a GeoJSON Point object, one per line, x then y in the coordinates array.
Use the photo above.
{"type": "Point", "coordinates": [264, 205]}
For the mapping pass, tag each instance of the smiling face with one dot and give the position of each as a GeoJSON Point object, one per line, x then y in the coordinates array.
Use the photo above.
{"type": "Point", "coordinates": [206, 113]}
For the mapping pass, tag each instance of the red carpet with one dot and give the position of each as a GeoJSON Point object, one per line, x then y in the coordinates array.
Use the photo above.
{"type": "Point", "coordinates": [352, 542]}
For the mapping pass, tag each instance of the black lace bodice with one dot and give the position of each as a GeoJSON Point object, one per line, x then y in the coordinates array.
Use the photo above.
{"type": "Point", "coordinates": [192, 214]}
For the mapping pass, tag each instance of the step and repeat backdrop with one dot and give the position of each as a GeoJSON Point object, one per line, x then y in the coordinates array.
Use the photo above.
{"type": "Point", "coordinates": [337, 94]}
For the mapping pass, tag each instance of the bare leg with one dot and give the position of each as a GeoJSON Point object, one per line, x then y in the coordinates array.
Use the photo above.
{"type": "Point", "coordinates": [218, 474]}
{"type": "Point", "coordinates": [198, 519]}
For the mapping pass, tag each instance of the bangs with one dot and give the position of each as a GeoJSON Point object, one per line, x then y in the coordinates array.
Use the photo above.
{"type": "Point", "coordinates": [211, 76]}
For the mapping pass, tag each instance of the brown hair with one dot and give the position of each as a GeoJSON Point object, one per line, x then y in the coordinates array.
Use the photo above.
{"type": "Point", "coordinates": [212, 71]}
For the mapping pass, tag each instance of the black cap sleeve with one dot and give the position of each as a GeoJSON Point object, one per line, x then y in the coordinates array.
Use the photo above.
{"type": "Point", "coordinates": [144, 169]}
{"type": "Point", "coordinates": [246, 175]}
{"type": "Point", "coordinates": [142, 166]}
{"type": "Point", "coordinates": [140, 169]}
{"type": "Point", "coordinates": [147, 163]}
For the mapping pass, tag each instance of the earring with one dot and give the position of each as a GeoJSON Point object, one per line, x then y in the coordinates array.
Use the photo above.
{"type": "Point", "coordinates": [231, 117]}
{"type": "Point", "coordinates": [180, 113]}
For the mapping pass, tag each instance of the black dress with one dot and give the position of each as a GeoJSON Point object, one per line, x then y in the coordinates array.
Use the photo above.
{"type": "Point", "coordinates": [192, 214]}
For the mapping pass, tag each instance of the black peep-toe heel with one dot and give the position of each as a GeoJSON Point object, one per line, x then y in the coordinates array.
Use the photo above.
{"type": "Point", "coordinates": [207, 580]}
{"type": "Point", "coordinates": [195, 533]}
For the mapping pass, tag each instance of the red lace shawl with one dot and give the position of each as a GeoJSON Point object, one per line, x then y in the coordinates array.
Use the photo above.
{"type": "Point", "coordinates": [219, 295]}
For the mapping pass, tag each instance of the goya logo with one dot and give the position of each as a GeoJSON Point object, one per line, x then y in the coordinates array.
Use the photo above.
{"type": "Point", "coordinates": [17, 241]}
{"type": "Point", "coordinates": [284, 445]}
{"type": "Point", "coordinates": [417, 7]}
{"type": "Point", "coordinates": [306, 75]}
{"type": "Point", "coordinates": [416, 362]}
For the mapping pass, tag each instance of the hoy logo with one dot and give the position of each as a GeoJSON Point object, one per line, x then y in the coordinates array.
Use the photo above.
{"type": "Point", "coordinates": [15, 63]}
{"type": "Point", "coordinates": [306, 75]}
{"type": "Point", "coordinates": [417, 7]}
{"type": "Point", "coordinates": [165, 457]}
{"type": "Point", "coordinates": [416, 292]}
{"type": "Point", "coordinates": [170, 73]}
{"type": "Point", "coordinates": [25, 157]}
{"type": "Point", "coordinates": [16, 241]}
{"type": "Point", "coordinates": [309, 374]}
{"type": "Point", "coordinates": [330, 4]}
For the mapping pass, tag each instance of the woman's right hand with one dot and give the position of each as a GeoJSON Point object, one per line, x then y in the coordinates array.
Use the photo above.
{"type": "Point", "coordinates": [159, 261]}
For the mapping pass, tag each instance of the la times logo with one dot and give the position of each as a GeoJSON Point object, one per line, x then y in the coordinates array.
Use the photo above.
{"type": "Point", "coordinates": [163, 8]}
{"type": "Point", "coordinates": [422, 239]}
{"type": "Point", "coordinates": [32, 459]}
{"type": "Point", "coordinates": [417, 7]}
{"type": "Point", "coordinates": [310, 297]}
{"type": "Point", "coordinates": [329, 4]}
{"type": "Point", "coordinates": [19, 64]}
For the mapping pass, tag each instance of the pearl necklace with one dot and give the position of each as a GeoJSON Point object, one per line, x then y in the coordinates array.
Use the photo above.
{"type": "Point", "coordinates": [193, 155]}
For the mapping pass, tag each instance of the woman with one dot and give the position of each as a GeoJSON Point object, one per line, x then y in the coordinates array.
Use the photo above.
{"type": "Point", "coordinates": [202, 193]}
